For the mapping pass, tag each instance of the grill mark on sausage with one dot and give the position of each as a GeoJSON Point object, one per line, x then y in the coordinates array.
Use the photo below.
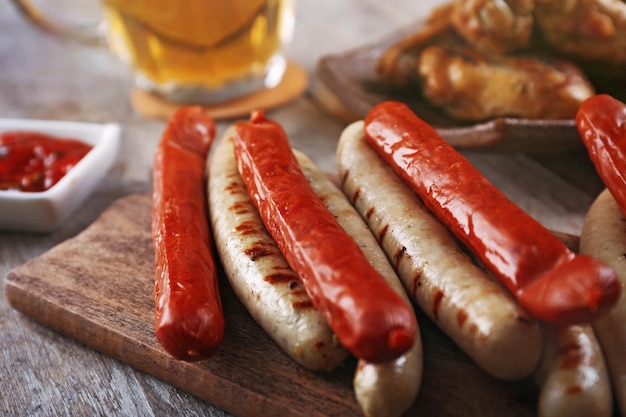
{"type": "Point", "coordinates": [576, 389]}
{"type": "Point", "coordinates": [383, 233]}
{"type": "Point", "coordinates": [573, 355]}
{"type": "Point", "coordinates": [258, 250]}
{"type": "Point", "coordinates": [300, 292]}
{"type": "Point", "coordinates": [437, 303]}
{"type": "Point", "coordinates": [370, 212]}
{"type": "Point", "coordinates": [297, 289]}
{"type": "Point", "coordinates": [571, 347]}
{"type": "Point", "coordinates": [233, 187]}
{"type": "Point", "coordinates": [239, 208]}
{"type": "Point", "coordinates": [278, 278]}
{"type": "Point", "coordinates": [319, 345]}
{"type": "Point", "coordinates": [247, 228]}
{"type": "Point", "coordinates": [417, 280]}
{"type": "Point", "coordinates": [461, 317]}
{"type": "Point", "coordinates": [400, 253]}
{"type": "Point", "coordinates": [303, 305]}
{"type": "Point", "coordinates": [355, 195]}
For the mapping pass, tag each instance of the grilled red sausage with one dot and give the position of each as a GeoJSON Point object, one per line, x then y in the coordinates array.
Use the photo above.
{"type": "Point", "coordinates": [189, 320]}
{"type": "Point", "coordinates": [550, 282]}
{"type": "Point", "coordinates": [368, 317]}
{"type": "Point", "coordinates": [601, 123]}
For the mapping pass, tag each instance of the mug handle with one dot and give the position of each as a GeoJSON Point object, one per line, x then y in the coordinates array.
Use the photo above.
{"type": "Point", "coordinates": [87, 33]}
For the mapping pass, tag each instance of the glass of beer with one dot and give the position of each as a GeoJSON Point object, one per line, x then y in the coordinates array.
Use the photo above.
{"type": "Point", "coordinates": [191, 51]}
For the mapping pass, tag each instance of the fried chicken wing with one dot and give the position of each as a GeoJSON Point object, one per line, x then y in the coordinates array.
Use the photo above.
{"type": "Point", "coordinates": [494, 26]}
{"type": "Point", "coordinates": [471, 86]}
{"type": "Point", "coordinates": [586, 30]}
{"type": "Point", "coordinates": [480, 59]}
{"type": "Point", "coordinates": [396, 65]}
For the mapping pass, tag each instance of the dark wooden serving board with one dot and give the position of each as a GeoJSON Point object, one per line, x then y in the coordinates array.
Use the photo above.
{"type": "Point", "coordinates": [97, 289]}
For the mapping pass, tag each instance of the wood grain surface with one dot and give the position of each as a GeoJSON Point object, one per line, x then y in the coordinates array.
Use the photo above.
{"type": "Point", "coordinates": [97, 288]}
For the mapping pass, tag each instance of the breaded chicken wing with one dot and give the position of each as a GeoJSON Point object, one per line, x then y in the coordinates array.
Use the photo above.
{"type": "Point", "coordinates": [586, 30]}
{"type": "Point", "coordinates": [494, 26]}
{"type": "Point", "coordinates": [471, 86]}
{"type": "Point", "coordinates": [480, 59]}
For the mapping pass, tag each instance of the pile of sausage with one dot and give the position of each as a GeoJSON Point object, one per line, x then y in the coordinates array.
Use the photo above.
{"type": "Point", "coordinates": [331, 270]}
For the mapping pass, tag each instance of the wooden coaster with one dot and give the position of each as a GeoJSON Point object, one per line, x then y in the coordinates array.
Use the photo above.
{"type": "Point", "coordinates": [295, 81]}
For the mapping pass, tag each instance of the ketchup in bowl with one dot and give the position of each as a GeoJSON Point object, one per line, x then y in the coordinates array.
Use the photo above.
{"type": "Point", "coordinates": [31, 161]}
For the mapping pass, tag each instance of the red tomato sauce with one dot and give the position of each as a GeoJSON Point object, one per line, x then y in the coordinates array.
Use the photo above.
{"type": "Point", "coordinates": [31, 161]}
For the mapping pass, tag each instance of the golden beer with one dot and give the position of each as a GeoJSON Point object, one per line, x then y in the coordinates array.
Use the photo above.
{"type": "Point", "coordinates": [200, 50]}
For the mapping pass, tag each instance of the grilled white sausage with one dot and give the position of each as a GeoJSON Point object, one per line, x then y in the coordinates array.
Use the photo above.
{"type": "Point", "coordinates": [604, 237]}
{"type": "Point", "coordinates": [478, 314]}
{"type": "Point", "coordinates": [572, 375]}
{"type": "Point", "coordinates": [258, 273]}
{"type": "Point", "coordinates": [384, 389]}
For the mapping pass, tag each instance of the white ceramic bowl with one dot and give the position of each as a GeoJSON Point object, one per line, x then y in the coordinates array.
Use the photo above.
{"type": "Point", "coordinates": [43, 211]}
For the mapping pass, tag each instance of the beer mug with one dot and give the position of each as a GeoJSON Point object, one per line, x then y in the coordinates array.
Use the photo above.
{"type": "Point", "coordinates": [189, 51]}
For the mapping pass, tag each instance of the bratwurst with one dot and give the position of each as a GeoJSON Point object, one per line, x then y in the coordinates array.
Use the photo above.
{"type": "Point", "coordinates": [259, 274]}
{"type": "Point", "coordinates": [572, 374]}
{"type": "Point", "coordinates": [273, 294]}
{"type": "Point", "coordinates": [477, 313]}
{"type": "Point", "coordinates": [604, 237]}
{"type": "Point", "coordinates": [384, 389]}
{"type": "Point", "coordinates": [370, 319]}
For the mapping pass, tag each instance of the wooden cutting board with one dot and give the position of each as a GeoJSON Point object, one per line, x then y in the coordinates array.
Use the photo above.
{"type": "Point", "coordinates": [97, 288]}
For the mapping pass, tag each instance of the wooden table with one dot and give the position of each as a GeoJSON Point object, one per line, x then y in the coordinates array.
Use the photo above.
{"type": "Point", "coordinates": [45, 374]}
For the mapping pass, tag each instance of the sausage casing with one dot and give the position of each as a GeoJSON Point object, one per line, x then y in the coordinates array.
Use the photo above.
{"type": "Point", "coordinates": [384, 389]}
{"type": "Point", "coordinates": [601, 123]}
{"type": "Point", "coordinates": [368, 317]}
{"type": "Point", "coordinates": [572, 374]}
{"type": "Point", "coordinates": [189, 321]}
{"type": "Point", "coordinates": [604, 237]}
{"type": "Point", "coordinates": [478, 314]}
{"type": "Point", "coordinates": [551, 282]}
{"type": "Point", "coordinates": [259, 274]}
